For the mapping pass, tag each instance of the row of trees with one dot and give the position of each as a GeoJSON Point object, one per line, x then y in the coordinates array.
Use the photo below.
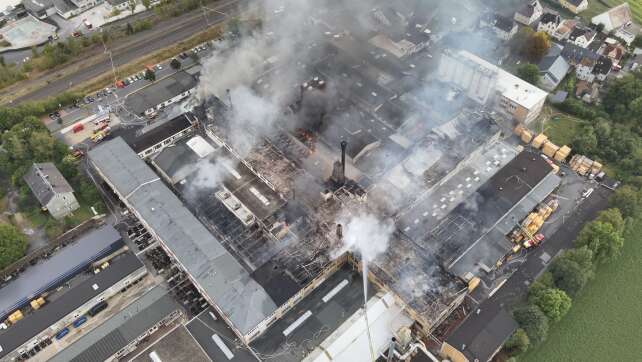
{"type": "Point", "coordinates": [550, 296]}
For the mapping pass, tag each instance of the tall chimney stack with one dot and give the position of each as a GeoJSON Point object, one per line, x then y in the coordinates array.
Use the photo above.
{"type": "Point", "coordinates": [344, 144]}
{"type": "Point", "coordinates": [339, 231]}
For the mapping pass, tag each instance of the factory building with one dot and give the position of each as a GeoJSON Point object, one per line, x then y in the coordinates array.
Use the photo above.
{"type": "Point", "coordinates": [125, 330]}
{"type": "Point", "coordinates": [219, 277]}
{"type": "Point", "coordinates": [36, 330]}
{"type": "Point", "coordinates": [492, 86]}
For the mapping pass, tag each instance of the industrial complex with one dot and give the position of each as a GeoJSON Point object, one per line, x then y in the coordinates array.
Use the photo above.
{"type": "Point", "coordinates": [347, 202]}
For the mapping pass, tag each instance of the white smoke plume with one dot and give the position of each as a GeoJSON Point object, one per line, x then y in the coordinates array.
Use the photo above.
{"type": "Point", "coordinates": [211, 174]}
{"type": "Point", "coordinates": [366, 235]}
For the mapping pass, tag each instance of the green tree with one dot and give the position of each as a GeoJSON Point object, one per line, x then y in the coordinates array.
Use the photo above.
{"type": "Point", "coordinates": [175, 64]}
{"type": "Point", "coordinates": [542, 284]}
{"type": "Point", "coordinates": [568, 276]}
{"type": "Point", "coordinates": [554, 303]}
{"type": "Point", "coordinates": [150, 75]}
{"type": "Point", "coordinates": [529, 72]}
{"type": "Point", "coordinates": [627, 200]}
{"type": "Point", "coordinates": [2, 61]}
{"type": "Point", "coordinates": [518, 343]}
{"type": "Point", "coordinates": [536, 45]}
{"type": "Point", "coordinates": [533, 321]}
{"type": "Point", "coordinates": [13, 245]}
{"type": "Point", "coordinates": [613, 217]}
{"type": "Point", "coordinates": [582, 256]}
{"type": "Point", "coordinates": [146, 4]}
{"type": "Point", "coordinates": [602, 239]}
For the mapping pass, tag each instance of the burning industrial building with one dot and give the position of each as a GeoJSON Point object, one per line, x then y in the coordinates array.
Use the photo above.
{"type": "Point", "coordinates": [326, 144]}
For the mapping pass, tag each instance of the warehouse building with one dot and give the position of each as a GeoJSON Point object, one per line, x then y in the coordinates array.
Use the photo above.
{"type": "Point", "coordinates": [151, 139]}
{"type": "Point", "coordinates": [220, 278]}
{"type": "Point", "coordinates": [120, 334]}
{"type": "Point", "coordinates": [63, 265]}
{"type": "Point", "coordinates": [36, 330]}
{"type": "Point", "coordinates": [166, 91]}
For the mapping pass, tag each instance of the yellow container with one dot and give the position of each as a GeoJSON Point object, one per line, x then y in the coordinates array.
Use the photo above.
{"type": "Point", "coordinates": [562, 153]}
{"type": "Point", "coordinates": [539, 140]}
{"type": "Point", "coordinates": [15, 316]}
{"type": "Point", "coordinates": [550, 149]}
{"type": "Point", "coordinates": [526, 136]}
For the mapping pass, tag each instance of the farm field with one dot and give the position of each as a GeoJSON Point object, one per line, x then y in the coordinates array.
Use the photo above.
{"type": "Point", "coordinates": [599, 6]}
{"type": "Point", "coordinates": [604, 321]}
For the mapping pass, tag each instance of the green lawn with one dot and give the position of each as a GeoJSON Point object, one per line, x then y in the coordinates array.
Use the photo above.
{"type": "Point", "coordinates": [605, 320]}
{"type": "Point", "coordinates": [600, 6]}
{"type": "Point", "coordinates": [561, 129]}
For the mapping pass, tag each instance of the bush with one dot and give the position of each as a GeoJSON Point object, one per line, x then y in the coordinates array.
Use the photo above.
{"type": "Point", "coordinates": [533, 321]}
{"type": "Point", "coordinates": [518, 343]}
{"type": "Point", "coordinates": [627, 200]}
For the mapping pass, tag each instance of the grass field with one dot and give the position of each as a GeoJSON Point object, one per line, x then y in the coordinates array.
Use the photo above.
{"type": "Point", "coordinates": [561, 128]}
{"type": "Point", "coordinates": [604, 322]}
{"type": "Point", "coordinates": [599, 6]}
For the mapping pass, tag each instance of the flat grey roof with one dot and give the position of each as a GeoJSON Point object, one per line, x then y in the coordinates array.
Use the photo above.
{"type": "Point", "coordinates": [225, 282]}
{"type": "Point", "coordinates": [49, 273]}
{"type": "Point", "coordinates": [52, 312]}
{"type": "Point", "coordinates": [125, 326]}
{"type": "Point", "coordinates": [159, 92]}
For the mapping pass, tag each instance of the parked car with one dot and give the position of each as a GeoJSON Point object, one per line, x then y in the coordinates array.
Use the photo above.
{"type": "Point", "coordinates": [159, 67]}
{"type": "Point", "coordinates": [76, 34]}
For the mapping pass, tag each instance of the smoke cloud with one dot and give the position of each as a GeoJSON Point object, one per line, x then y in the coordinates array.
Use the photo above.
{"type": "Point", "coordinates": [366, 235]}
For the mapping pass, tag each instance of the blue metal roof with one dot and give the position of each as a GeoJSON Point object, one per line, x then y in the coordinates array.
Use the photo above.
{"type": "Point", "coordinates": [52, 272]}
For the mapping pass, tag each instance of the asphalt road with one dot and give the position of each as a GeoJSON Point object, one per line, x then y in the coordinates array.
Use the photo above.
{"type": "Point", "coordinates": [163, 34]}
{"type": "Point", "coordinates": [514, 290]}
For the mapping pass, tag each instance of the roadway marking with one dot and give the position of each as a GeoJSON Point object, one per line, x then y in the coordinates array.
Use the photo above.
{"type": "Point", "coordinates": [335, 290]}
{"type": "Point", "coordinates": [297, 323]}
{"type": "Point", "coordinates": [219, 342]}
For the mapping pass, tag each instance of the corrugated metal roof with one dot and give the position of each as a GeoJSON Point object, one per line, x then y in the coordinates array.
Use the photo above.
{"type": "Point", "coordinates": [116, 332]}
{"type": "Point", "coordinates": [51, 272]}
{"type": "Point", "coordinates": [216, 271]}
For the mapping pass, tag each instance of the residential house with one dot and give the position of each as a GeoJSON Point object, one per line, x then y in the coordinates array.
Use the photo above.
{"type": "Point", "coordinates": [529, 13]}
{"type": "Point", "coordinates": [51, 189]}
{"type": "Point", "coordinates": [119, 5]}
{"type": "Point", "coordinates": [602, 68]}
{"type": "Point", "coordinates": [614, 18]}
{"type": "Point", "coordinates": [574, 53]}
{"type": "Point", "coordinates": [575, 6]}
{"type": "Point", "coordinates": [505, 28]}
{"type": "Point", "coordinates": [584, 69]}
{"type": "Point", "coordinates": [613, 50]}
{"type": "Point", "coordinates": [582, 36]}
{"type": "Point", "coordinates": [564, 29]}
{"type": "Point", "coordinates": [553, 68]}
{"type": "Point", "coordinates": [549, 23]}
{"type": "Point", "coordinates": [626, 34]}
